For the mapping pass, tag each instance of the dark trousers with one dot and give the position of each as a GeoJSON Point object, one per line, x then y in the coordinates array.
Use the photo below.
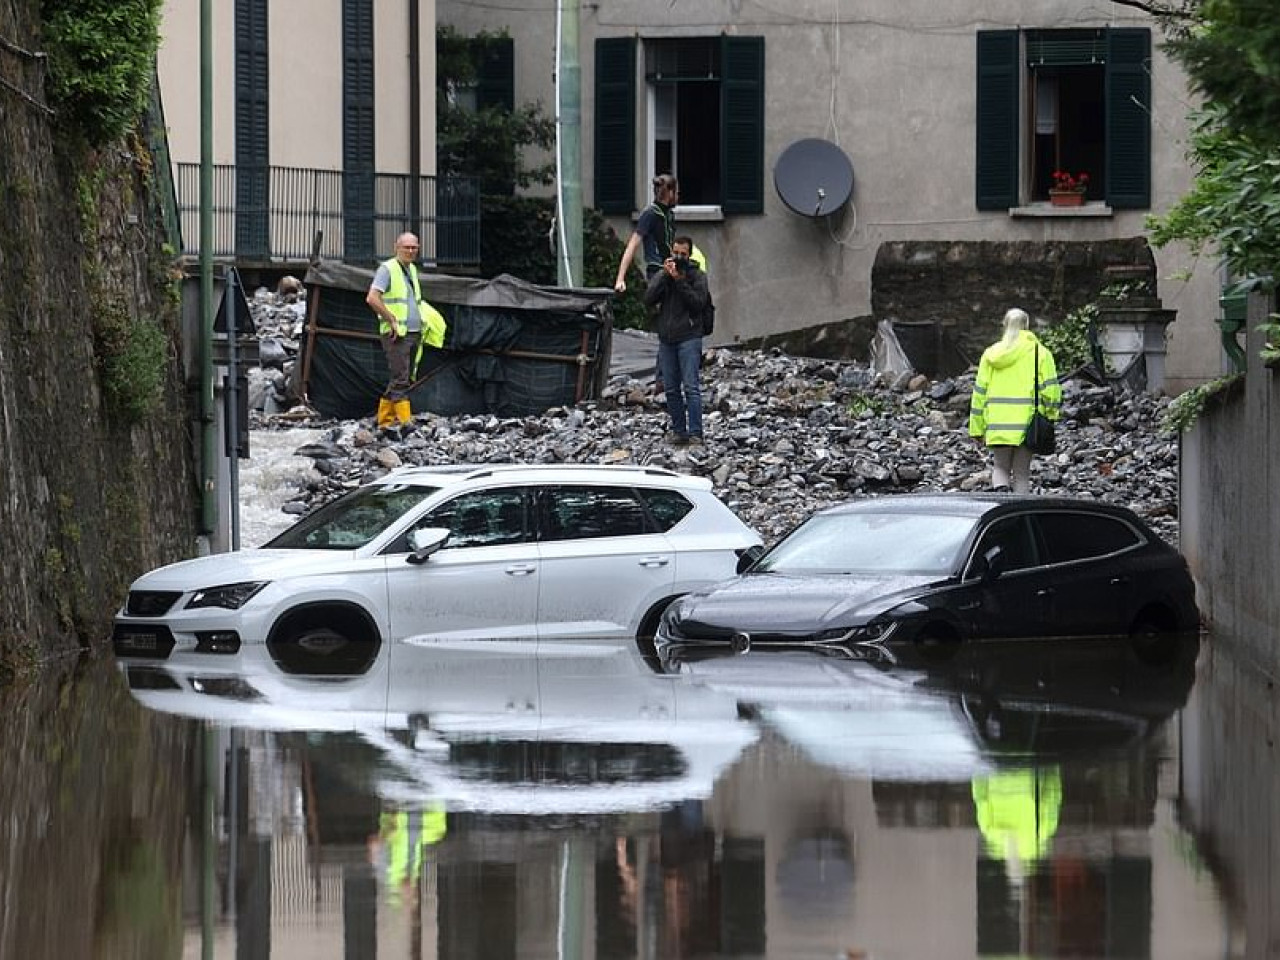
{"type": "Point", "coordinates": [400, 352]}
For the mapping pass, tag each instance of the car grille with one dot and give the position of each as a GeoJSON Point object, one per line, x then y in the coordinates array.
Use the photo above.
{"type": "Point", "coordinates": [151, 603]}
{"type": "Point", "coordinates": [721, 635]}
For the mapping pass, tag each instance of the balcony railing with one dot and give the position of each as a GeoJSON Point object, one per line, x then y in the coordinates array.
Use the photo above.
{"type": "Point", "coordinates": [275, 214]}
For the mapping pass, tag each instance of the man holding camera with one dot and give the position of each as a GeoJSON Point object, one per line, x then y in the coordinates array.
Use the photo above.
{"type": "Point", "coordinates": [679, 292]}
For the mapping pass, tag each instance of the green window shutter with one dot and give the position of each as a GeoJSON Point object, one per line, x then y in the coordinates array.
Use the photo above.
{"type": "Point", "coordinates": [496, 74]}
{"type": "Point", "coordinates": [742, 125]}
{"type": "Point", "coordinates": [1129, 118]}
{"type": "Point", "coordinates": [358, 132]}
{"type": "Point", "coordinates": [615, 120]}
{"type": "Point", "coordinates": [996, 159]}
{"type": "Point", "coordinates": [252, 129]}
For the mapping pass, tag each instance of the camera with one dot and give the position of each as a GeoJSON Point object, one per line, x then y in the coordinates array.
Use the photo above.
{"type": "Point", "coordinates": [682, 262]}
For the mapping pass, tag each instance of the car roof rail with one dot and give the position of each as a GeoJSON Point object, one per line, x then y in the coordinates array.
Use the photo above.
{"type": "Point", "coordinates": [495, 469]}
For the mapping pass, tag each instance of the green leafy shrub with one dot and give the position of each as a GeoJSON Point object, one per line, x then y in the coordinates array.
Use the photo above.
{"type": "Point", "coordinates": [1185, 409]}
{"type": "Point", "coordinates": [102, 57]}
{"type": "Point", "coordinates": [1069, 339]}
{"type": "Point", "coordinates": [132, 357]}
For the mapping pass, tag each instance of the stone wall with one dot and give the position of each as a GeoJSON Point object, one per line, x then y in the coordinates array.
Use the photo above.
{"type": "Point", "coordinates": [979, 281]}
{"type": "Point", "coordinates": [88, 498]}
{"type": "Point", "coordinates": [1230, 468]}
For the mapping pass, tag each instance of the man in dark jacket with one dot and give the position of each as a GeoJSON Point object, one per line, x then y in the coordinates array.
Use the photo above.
{"type": "Point", "coordinates": [679, 292]}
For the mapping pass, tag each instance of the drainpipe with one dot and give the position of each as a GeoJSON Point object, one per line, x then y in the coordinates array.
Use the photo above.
{"type": "Point", "coordinates": [568, 145]}
{"type": "Point", "coordinates": [415, 123]}
{"type": "Point", "coordinates": [208, 421]}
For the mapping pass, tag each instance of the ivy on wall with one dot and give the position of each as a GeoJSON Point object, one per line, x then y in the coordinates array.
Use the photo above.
{"type": "Point", "coordinates": [102, 56]}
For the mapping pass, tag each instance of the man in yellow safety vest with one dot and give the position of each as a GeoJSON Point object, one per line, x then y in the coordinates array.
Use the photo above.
{"type": "Point", "coordinates": [405, 323]}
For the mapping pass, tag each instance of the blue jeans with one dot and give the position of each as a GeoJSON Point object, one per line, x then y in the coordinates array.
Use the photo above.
{"type": "Point", "coordinates": [678, 364]}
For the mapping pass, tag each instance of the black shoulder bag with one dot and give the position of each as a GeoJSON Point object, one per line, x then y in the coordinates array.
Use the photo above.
{"type": "Point", "coordinates": [1039, 438]}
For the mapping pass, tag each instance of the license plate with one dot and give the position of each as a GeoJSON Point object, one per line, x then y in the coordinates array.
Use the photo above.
{"type": "Point", "coordinates": [137, 641]}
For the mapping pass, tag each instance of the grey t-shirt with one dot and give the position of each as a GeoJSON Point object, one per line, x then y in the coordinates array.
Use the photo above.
{"type": "Point", "coordinates": [382, 282]}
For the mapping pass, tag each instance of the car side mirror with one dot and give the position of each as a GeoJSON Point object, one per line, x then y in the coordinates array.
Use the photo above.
{"type": "Point", "coordinates": [747, 558]}
{"type": "Point", "coordinates": [993, 563]}
{"type": "Point", "coordinates": [425, 541]}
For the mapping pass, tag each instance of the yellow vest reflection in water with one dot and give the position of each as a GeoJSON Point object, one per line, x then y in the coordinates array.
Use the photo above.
{"type": "Point", "coordinates": [1017, 812]}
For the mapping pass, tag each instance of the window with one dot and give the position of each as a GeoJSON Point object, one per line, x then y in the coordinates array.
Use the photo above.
{"type": "Point", "coordinates": [488, 85]}
{"type": "Point", "coordinates": [485, 518]}
{"type": "Point", "coordinates": [1013, 537]}
{"type": "Point", "coordinates": [1078, 536]}
{"type": "Point", "coordinates": [666, 506]}
{"type": "Point", "coordinates": [583, 513]}
{"type": "Point", "coordinates": [703, 121]}
{"type": "Point", "coordinates": [352, 520]}
{"type": "Point", "coordinates": [1083, 98]}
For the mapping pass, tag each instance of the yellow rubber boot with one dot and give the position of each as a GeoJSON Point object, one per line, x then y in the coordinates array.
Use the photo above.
{"type": "Point", "coordinates": [403, 413]}
{"type": "Point", "coordinates": [386, 412]}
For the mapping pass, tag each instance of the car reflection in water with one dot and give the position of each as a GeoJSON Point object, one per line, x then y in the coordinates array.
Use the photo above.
{"type": "Point", "coordinates": [992, 704]}
{"type": "Point", "coordinates": [671, 799]}
{"type": "Point", "coordinates": [489, 726]}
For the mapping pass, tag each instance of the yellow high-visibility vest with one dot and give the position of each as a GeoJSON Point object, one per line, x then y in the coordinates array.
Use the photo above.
{"type": "Point", "coordinates": [396, 299]}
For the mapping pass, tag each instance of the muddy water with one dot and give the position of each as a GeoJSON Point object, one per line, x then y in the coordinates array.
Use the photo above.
{"type": "Point", "coordinates": [484, 804]}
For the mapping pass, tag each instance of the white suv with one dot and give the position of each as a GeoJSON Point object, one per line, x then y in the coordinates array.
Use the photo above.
{"type": "Point", "coordinates": [428, 554]}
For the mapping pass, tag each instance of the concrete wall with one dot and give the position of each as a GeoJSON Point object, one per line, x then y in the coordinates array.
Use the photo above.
{"type": "Point", "coordinates": [305, 39]}
{"type": "Point", "coordinates": [1230, 534]}
{"type": "Point", "coordinates": [892, 82]}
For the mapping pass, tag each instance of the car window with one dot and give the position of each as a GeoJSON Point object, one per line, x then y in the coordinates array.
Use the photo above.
{"type": "Point", "coordinates": [582, 513]}
{"type": "Point", "coordinates": [1077, 536]}
{"type": "Point", "coordinates": [353, 519]}
{"type": "Point", "coordinates": [668, 507]}
{"type": "Point", "coordinates": [871, 543]}
{"type": "Point", "coordinates": [1013, 537]}
{"type": "Point", "coordinates": [481, 518]}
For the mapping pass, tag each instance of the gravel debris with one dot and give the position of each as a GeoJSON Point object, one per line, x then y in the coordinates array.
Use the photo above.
{"type": "Point", "coordinates": [785, 435]}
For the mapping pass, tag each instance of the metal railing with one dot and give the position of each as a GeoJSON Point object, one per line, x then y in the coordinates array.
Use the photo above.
{"type": "Point", "coordinates": [274, 214]}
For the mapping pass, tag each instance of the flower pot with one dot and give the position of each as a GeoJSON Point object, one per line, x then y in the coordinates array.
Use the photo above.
{"type": "Point", "coordinates": [1066, 198]}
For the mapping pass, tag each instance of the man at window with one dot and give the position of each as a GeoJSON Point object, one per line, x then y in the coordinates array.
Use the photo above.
{"type": "Point", "coordinates": [654, 231]}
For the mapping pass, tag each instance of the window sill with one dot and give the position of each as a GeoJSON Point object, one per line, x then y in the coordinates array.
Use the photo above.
{"type": "Point", "coordinates": [1045, 209]}
{"type": "Point", "coordinates": [710, 213]}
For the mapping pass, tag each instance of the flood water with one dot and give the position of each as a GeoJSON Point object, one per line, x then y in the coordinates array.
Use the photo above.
{"type": "Point", "coordinates": [574, 802]}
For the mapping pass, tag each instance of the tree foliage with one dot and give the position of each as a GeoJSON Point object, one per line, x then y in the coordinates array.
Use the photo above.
{"type": "Point", "coordinates": [514, 240]}
{"type": "Point", "coordinates": [1231, 52]}
{"type": "Point", "coordinates": [481, 140]}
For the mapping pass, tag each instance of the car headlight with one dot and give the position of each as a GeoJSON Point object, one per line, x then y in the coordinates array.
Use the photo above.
{"type": "Point", "coordinates": [866, 633]}
{"type": "Point", "coordinates": [230, 596]}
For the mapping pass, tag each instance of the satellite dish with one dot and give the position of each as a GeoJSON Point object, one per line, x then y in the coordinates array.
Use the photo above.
{"type": "Point", "coordinates": [813, 177]}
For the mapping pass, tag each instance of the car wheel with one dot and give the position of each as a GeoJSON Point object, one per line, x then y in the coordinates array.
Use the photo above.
{"type": "Point", "coordinates": [938, 642]}
{"type": "Point", "coordinates": [326, 642]}
{"type": "Point", "coordinates": [1153, 637]}
{"type": "Point", "coordinates": [649, 627]}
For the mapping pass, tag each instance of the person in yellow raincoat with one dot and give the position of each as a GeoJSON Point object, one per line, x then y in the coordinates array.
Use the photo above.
{"type": "Point", "coordinates": [1016, 374]}
{"type": "Point", "coordinates": [403, 838]}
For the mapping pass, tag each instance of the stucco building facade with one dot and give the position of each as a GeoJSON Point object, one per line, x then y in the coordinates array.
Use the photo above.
{"type": "Point", "coordinates": [953, 117]}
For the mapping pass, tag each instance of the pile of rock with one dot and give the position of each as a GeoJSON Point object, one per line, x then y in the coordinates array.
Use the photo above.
{"type": "Point", "coordinates": [278, 318]}
{"type": "Point", "coordinates": [786, 435]}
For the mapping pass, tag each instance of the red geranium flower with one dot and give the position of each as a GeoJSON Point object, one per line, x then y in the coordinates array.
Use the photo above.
{"type": "Point", "coordinates": [1076, 182]}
